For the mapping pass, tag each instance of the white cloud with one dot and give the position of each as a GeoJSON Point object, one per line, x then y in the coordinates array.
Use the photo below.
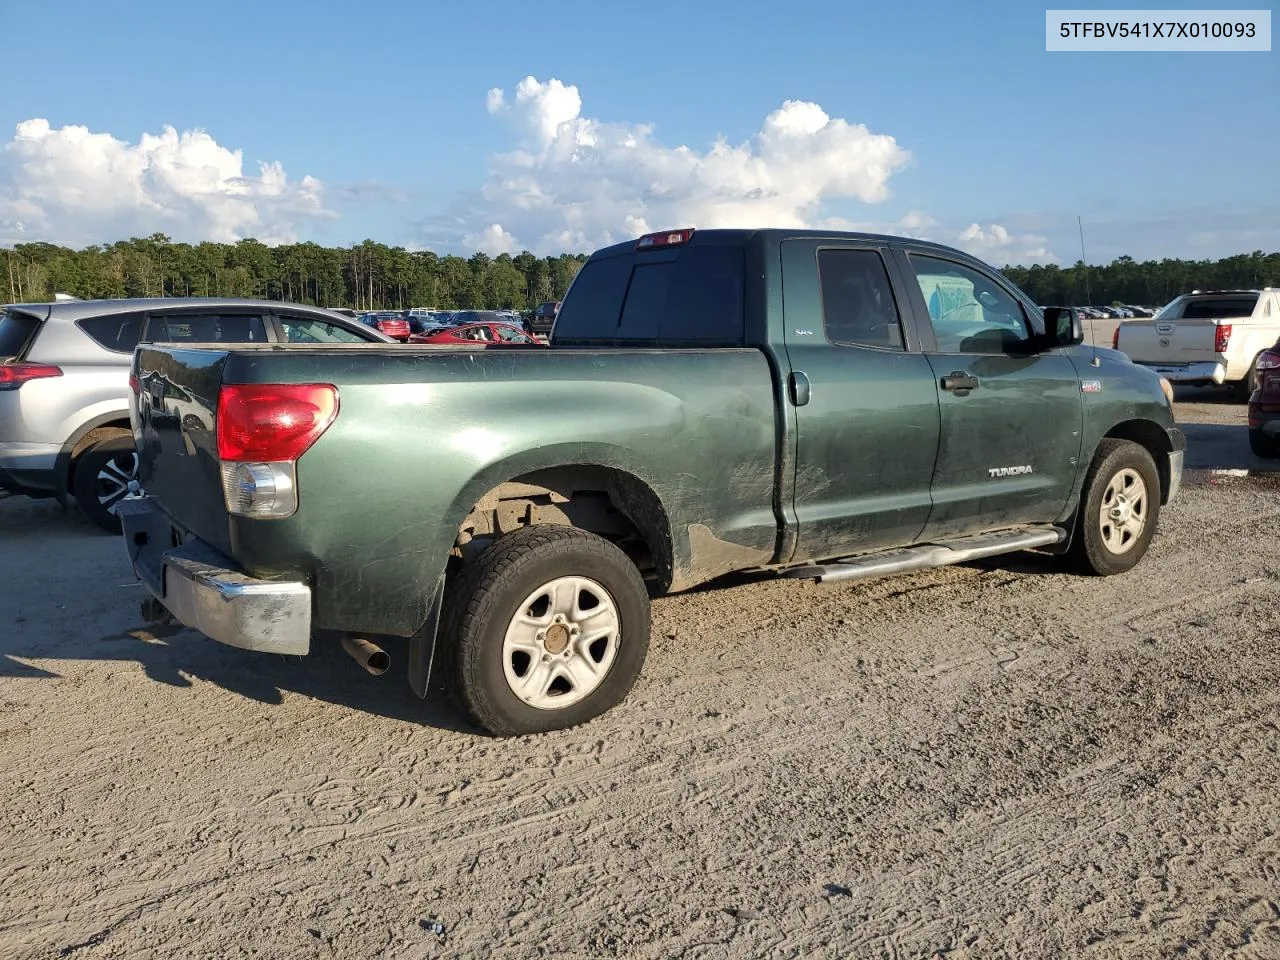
{"type": "Point", "coordinates": [69, 185]}
{"type": "Point", "coordinates": [493, 240]}
{"type": "Point", "coordinates": [996, 245]}
{"type": "Point", "coordinates": [577, 183]}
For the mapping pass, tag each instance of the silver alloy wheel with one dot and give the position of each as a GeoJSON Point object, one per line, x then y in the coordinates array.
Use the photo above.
{"type": "Point", "coordinates": [117, 480]}
{"type": "Point", "coordinates": [561, 643]}
{"type": "Point", "coordinates": [1123, 515]}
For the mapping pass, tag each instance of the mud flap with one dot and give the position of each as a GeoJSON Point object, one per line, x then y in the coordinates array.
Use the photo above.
{"type": "Point", "coordinates": [422, 645]}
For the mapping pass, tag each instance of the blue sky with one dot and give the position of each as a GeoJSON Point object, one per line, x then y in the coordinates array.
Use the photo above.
{"type": "Point", "coordinates": [996, 144]}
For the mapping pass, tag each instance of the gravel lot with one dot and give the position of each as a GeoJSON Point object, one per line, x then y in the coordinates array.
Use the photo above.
{"type": "Point", "coordinates": [995, 760]}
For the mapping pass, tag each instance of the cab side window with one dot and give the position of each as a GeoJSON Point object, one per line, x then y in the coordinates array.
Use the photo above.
{"type": "Point", "coordinates": [857, 300]}
{"type": "Point", "coordinates": [970, 313]}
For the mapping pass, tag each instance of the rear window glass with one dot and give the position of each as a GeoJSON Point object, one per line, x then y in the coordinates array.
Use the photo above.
{"type": "Point", "coordinates": [1219, 307]}
{"type": "Point", "coordinates": [692, 296]}
{"type": "Point", "coordinates": [15, 332]}
{"type": "Point", "coordinates": [119, 332]}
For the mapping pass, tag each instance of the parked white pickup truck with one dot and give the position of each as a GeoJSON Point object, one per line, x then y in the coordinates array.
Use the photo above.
{"type": "Point", "coordinates": [1206, 337]}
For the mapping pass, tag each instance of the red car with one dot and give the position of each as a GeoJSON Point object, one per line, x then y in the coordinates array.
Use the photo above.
{"type": "Point", "coordinates": [391, 324]}
{"type": "Point", "coordinates": [472, 334]}
{"type": "Point", "coordinates": [1264, 406]}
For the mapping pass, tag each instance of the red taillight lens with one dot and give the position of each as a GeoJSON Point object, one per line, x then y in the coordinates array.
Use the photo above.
{"type": "Point", "coordinates": [1115, 338]}
{"type": "Point", "coordinates": [14, 375]}
{"type": "Point", "coordinates": [135, 385]}
{"type": "Point", "coordinates": [1221, 338]}
{"type": "Point", "coordinates": [273, 422]}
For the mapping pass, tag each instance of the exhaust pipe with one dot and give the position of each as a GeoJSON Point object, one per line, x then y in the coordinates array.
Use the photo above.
{"type": "Point", "coordinates": [369, 655]}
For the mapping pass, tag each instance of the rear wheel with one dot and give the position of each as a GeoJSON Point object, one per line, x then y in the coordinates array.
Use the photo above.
{"type": "Point", "coordinates": [1268, 448]}
{"type": "Point", "coordinates": [105, 474]}
{"type": "Point", "coordinates": [1244, 388]}
{"type": "Point", "coordinates": [1119, 509]}
{"type": "Point", "coordinates": [544, 630]}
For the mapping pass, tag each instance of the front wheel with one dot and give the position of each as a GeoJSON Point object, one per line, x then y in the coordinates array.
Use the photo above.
{"type": "Point", "coordinates": [546, 629]}
{"type": "Point", "coordinates": [105, 474]}
{"type": "Point", "coordinates": [1119, 509]}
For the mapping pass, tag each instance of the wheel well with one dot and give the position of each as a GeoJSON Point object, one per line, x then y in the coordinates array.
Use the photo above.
{"type": "Point", "coordinates": [1155, 439]}
{"type": "Point", "coordinates": [104, 431]}
{"type": "Point", "coordinates": [612, 504]}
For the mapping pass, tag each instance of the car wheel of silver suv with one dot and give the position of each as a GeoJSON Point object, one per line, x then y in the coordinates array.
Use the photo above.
{"type": "Point", "coordinates": [105, 474]}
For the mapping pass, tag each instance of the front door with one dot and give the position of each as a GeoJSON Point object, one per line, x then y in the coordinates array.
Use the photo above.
{"type": "Point", "coordinates": [865, 404]}
{"type": "Point", "coordinates": [1011, 418]}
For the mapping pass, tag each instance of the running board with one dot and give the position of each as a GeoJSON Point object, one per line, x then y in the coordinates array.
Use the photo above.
{"type": "Point", "coordinates": [929, 555]}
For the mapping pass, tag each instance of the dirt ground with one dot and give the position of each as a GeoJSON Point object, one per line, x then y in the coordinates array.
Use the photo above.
{"type": "Point", "coordinates": [994, 760]}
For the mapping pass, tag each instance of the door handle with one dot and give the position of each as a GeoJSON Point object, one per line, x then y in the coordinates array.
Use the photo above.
{"type": "Point", "coordinates": [798, 387]}
{"type": "Point", "coordinates": [959, 382]}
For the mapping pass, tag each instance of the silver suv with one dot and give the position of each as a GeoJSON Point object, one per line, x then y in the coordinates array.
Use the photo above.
{"type": "Point", "coordinates": [64, 383]}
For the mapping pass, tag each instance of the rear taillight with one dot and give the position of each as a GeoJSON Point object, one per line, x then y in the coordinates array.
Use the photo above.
{"type": "Point", "coordinates": [262, 431]}
{"type": "Point", "coordinates": [135, 385]}
{"type": "Point", "coordinates": [268, 421]}
{"type": "Point", "coordinates": [1115, 338]}
{"type": "Point", "coordinates": [1221, 338]}
{"type": "Point", "coordinates": [1269, 361]}
{"type": "Point", "coordinates": [14, 375]}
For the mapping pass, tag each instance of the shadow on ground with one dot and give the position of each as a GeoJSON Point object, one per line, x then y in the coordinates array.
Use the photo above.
{"type": "Point", "coordinates": [1223, 446]}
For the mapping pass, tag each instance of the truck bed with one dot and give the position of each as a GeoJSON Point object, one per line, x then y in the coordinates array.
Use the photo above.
{"type": "Point", "coordinates": [702, 435]}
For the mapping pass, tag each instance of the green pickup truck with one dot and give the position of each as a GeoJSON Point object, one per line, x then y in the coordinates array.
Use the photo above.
{"type": "Point", "coordinates": [817, 405]}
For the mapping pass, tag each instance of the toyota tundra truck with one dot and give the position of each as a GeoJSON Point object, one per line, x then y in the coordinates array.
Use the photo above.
{"type": "Point", "coordinates": [815, 405]}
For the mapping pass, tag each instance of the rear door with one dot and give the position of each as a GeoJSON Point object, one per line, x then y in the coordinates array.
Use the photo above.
{"type": "Point", "coordinates": [1010, 419]}
{"type": "Point", "coordinates": [866, 406]}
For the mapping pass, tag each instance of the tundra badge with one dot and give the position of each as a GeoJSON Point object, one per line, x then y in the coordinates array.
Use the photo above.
{"type": "Point", "coordinates": [1009, 471]}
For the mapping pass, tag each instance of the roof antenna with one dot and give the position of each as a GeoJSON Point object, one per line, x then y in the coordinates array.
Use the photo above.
{"type": "Point", "coordinates": [1088, 295]}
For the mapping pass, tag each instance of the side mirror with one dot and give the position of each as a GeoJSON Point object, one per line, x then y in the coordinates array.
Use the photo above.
{"type": "Point", "coordinates": [1062, 327]}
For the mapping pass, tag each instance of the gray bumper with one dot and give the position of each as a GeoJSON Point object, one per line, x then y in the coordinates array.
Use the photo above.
{"type": "Point", "coordinates": [1207, 372]}
{"type": "Point", "coordinates": [205, 590]}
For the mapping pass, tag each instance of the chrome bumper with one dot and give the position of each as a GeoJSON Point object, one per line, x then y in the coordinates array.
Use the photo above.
{"type": "Point", "coordinates": [204, 590]}
{"type": "Point", "coordinates": [1177, 455]}
{"type": "Point", "coordinates": [1206, 372]}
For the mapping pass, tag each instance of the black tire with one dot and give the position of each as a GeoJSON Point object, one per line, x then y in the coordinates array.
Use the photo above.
{"type": "Point", "coordinates": [1090, 552]}
{"type": "Point", "coordinates": [1268, 448]}
{"type": "Point", "coordinates": [485, 598]}
{"type": "Point", "coordinates": [93, 494]}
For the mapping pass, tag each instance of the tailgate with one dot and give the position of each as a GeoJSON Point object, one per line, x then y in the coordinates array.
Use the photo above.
{"type": "Point", "coordinates": [173, 410]}
{"type": "Point", "coordinates": [1170, 342]}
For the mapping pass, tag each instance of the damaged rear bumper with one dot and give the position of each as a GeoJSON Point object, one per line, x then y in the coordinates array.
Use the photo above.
{"type": "Point", "coordinates": [206, 591]}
